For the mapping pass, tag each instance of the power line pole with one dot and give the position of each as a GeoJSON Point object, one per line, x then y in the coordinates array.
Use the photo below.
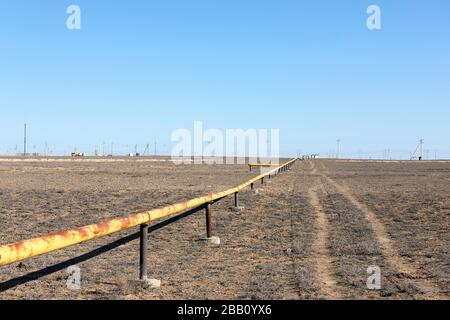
{"type": "Point", "coordinates": [147, 150]}
{"type": "Point", "coordinates": [155, 148]}
{"type": "Point", "coordinates": [25, 140]}
{"type": "Point", "coordinates": [421, 148]}
{"type": "Point", "coordinates": [338, 141]}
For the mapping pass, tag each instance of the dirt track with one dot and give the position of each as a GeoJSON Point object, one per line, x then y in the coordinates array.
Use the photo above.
{"type": "Point", "coordinates": [310, 233]}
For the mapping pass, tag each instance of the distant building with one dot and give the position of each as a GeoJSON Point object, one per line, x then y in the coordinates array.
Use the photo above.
{"type": "Point", "coordinates": [77, 154]}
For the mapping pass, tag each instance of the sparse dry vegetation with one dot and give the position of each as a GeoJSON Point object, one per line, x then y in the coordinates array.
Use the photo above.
{"type": "Point", "coordinates": [310, 233]}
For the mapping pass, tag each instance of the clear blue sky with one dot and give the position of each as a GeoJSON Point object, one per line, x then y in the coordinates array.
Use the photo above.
{"type": "Point", "coordinates": [137, 70]}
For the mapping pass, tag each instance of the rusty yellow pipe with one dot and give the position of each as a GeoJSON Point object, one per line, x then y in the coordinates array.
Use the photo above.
{"type": "Point", "coordinates": [25, 249]}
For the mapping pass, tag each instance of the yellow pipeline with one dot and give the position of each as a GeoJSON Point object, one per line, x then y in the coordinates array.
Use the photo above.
{"type": "Point", "coordinates": [25, 249]}
{"type": "Point", "coordinates": [262, 165]}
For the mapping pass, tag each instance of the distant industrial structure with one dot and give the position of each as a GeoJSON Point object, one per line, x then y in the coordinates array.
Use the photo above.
{"type": "Point", "coordinates": [338, 141]}
{"type": "Point", "coordinates": [419, 149]}
{"type": "Point", "coordinates": [25, 139]}
{"type": "Point", "coordinates": [420, 153]}
{"type": "Point", "coordinates": [77, 154]}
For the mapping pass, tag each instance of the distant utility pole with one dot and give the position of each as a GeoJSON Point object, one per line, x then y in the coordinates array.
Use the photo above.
{"type": "Point", "coordinates": [25, 140]}
{"type": "Point", "coordinates": [112, 148]}
{"type": "Point", "coordinates": [155, 148]}
{"type": "Point", "coordinates": [147, 150]}
{"type": "Point", "coordinates": [338, 141]}
{"type": "Point", "coordinates": [421, 148]}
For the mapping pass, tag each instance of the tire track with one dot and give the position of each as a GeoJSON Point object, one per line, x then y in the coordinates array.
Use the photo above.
{"type": "Point", "coordinates": [291, 229]}
{"type": "Point", "coordinates": [323, 261]}
{"type": "Point", "coordinates": [295, 265]}
{"type": "Point", "coordinates": [294, 272]}
{"type": "Point", "coordinates": [304, 240]}
{"type": "Point", "coordinates": [320, 246]}
{"type": "Point", "coordinates": [354, 247]}
{"type": "Point", "coordinates": [387, 246]}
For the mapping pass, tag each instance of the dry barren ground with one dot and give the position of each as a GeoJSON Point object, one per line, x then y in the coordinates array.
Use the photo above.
{"type": "Point", "coordinates": [310, 233]}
